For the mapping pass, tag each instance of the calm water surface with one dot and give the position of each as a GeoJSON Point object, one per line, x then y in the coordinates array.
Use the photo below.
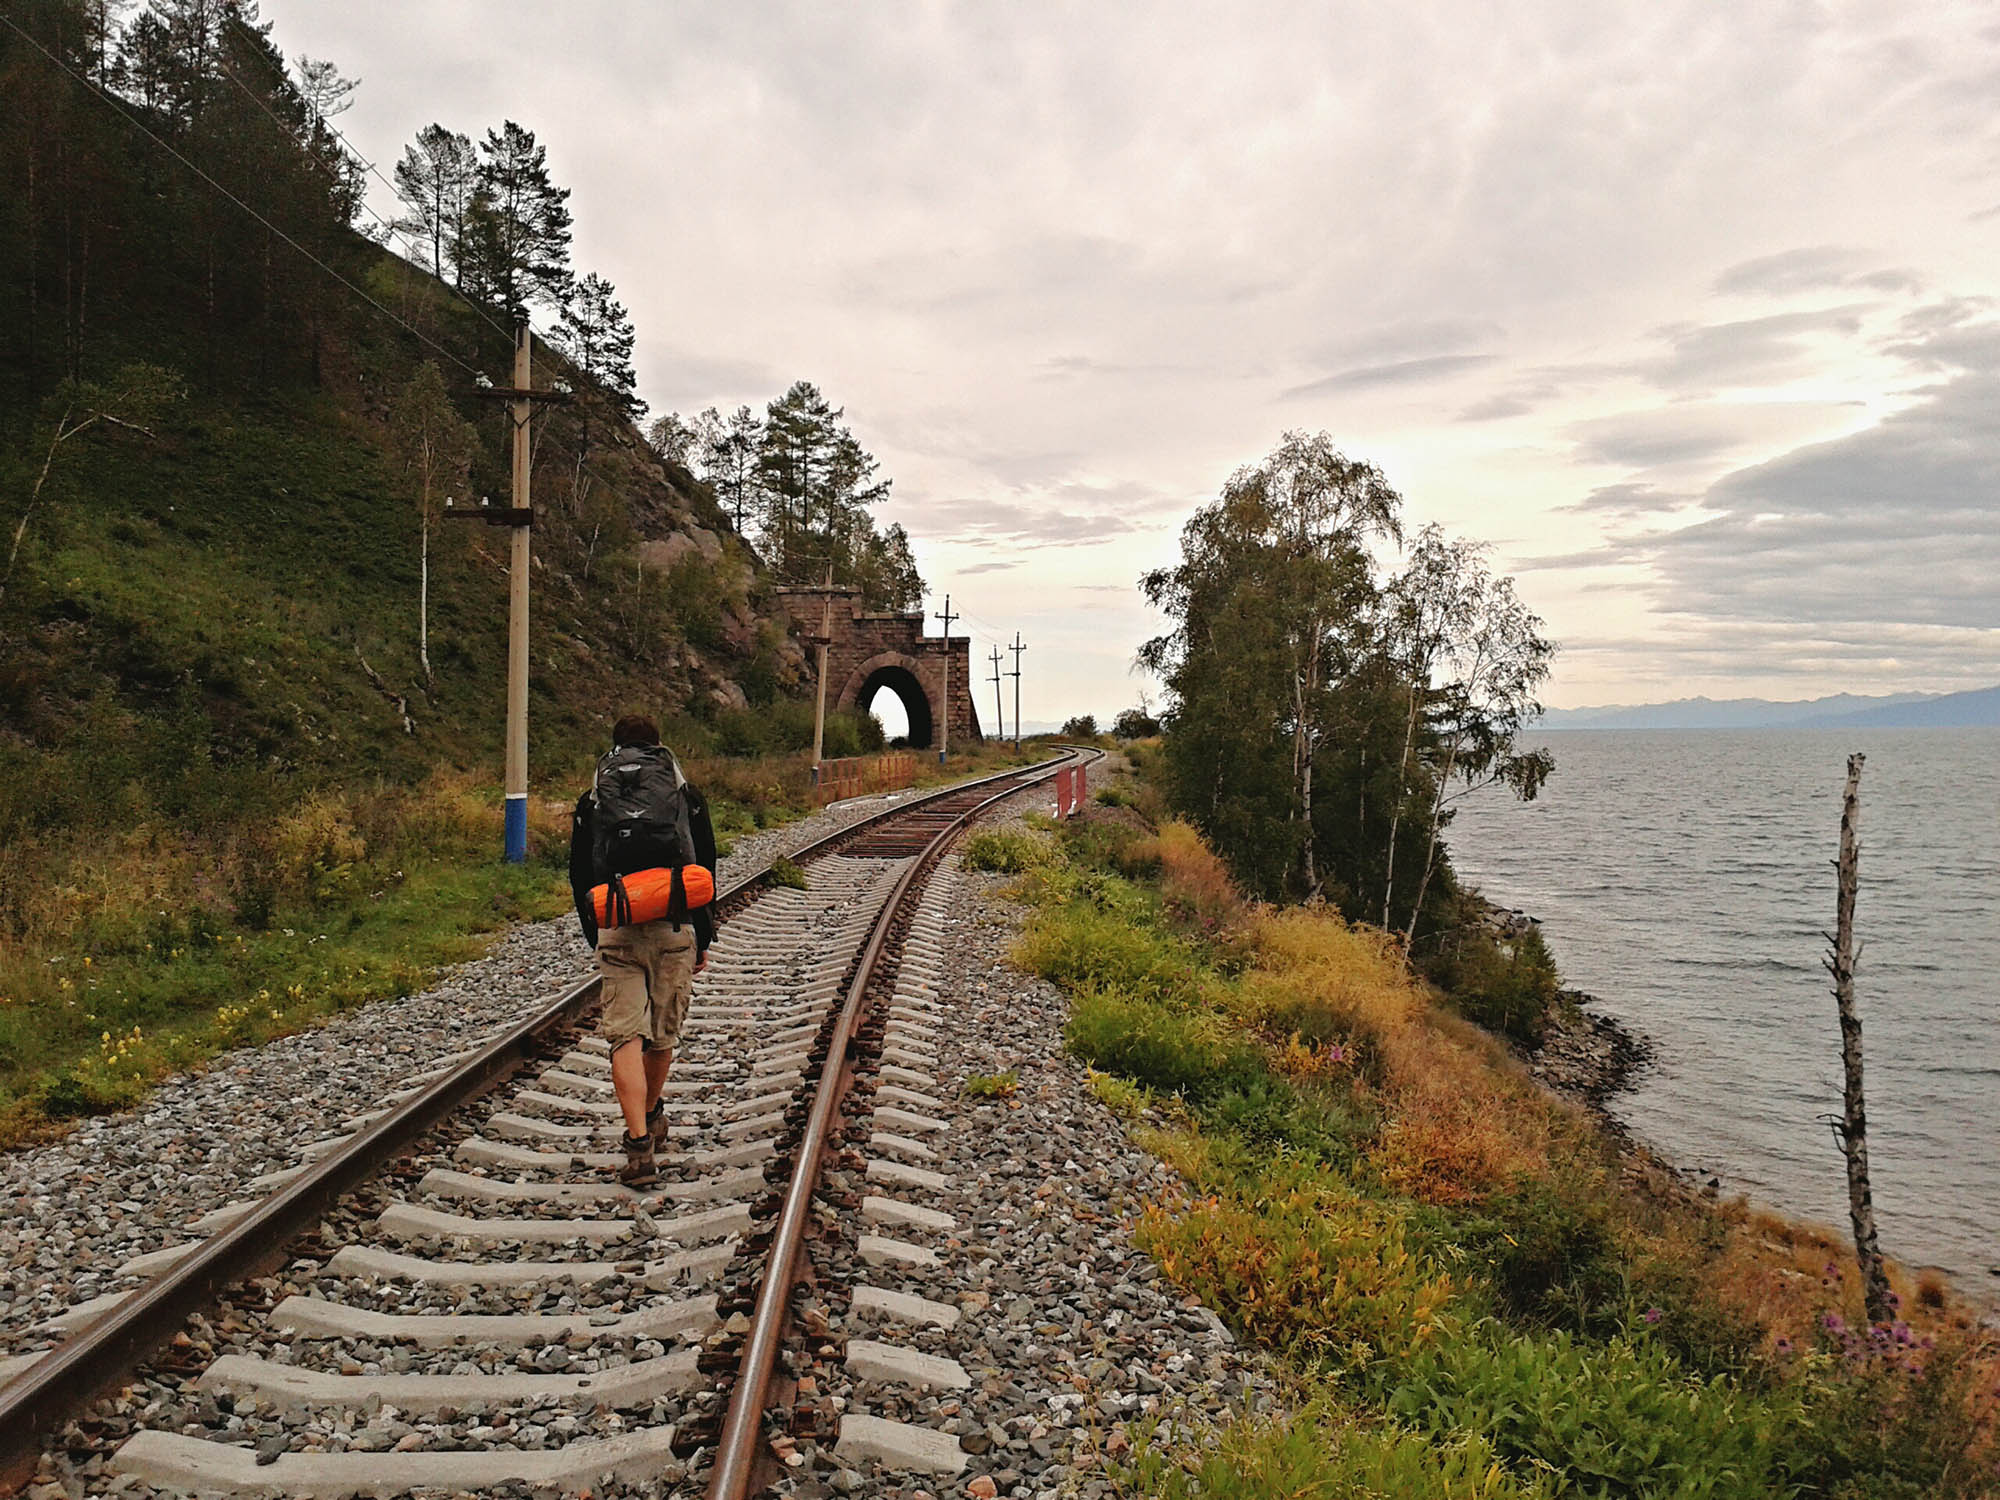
{"type": "Point", "coordinates": [1685, 879]}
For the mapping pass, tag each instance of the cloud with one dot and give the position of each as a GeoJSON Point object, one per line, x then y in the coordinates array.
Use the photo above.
{"type": "Point", "coordinates": [994, 522]}
{"type": "Point", "coordinates": [677, 377]}
{"type": "Point", "coordinates": [1414, 339]}
{"type": "Point", "coordinates": [1750, 352]}
{"type": "Point", "coordinates": [987, 567]}
{"type": "Point", "coordinates": [1632, 499]}
{"type": "Point", "coordinates": [1813, 268]}
{"type": "Point", "coordinates": [1691, 433]}
{"type": "Point", "coordinates": [1888, 537]}
{"type": "Point", "coordinates": [1401, 372]}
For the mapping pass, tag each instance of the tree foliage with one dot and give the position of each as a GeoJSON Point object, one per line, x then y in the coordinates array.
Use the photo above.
{"type": "Point", "coordinates": [596, 334]}
{"type": "Point", "coordinates": [515, 249]}
{"type": "Point", "coordinates": [435, 179]}
{"type": "Point", "coordinates": [806, 483]}
{"type": "Point", "coordinates": [1320, 714]}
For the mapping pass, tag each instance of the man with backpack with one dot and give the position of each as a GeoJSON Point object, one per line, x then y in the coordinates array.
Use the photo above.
{"type": "Point", "coordinates": [642, 870]}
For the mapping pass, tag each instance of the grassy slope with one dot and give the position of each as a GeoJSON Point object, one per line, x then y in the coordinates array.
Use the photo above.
{"type": "Point", "coordinates": [1468, 1297]}
{"type": "Point", "coordinates": [193, 756]}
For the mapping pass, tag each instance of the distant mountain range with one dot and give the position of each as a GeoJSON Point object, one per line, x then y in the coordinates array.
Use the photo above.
{"type": "Point", "coordinates": [1978, 708]}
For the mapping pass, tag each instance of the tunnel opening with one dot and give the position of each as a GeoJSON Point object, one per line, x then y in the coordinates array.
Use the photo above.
{"type": "Point", "coordinates": [902, 687]}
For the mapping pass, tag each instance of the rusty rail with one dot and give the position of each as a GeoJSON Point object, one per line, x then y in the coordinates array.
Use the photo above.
{"type": "Point", "coordinates": [734, 1473]}
{"type": "Point", "coordinates": [34, 1405]}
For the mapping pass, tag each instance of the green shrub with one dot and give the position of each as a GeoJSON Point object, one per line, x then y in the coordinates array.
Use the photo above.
{"type": "Point", "coordinates": [1509, 988]}
{"type": "Point", "coordinates": [1616, 1419]}
{"type": "Point", "coordinates": [1550, 1248]}
{"type": "Point", "coordinates": [1006, 851]}
{"type": "Point", "coordinates": [1168, 1051]}
{"type": "Point", "coordinates": [1312, 1456]}
{"type": "Point", "coordinates": [1270, 1111]}
{"type": "Point", "coordinates": [1081, 945]}
{"type": "Point", "coordinates": [785, 872]}
{"type": "Point", "coordinates": [992, 1085]}
{"type": "Point", "coordinates": [1121, 1096]}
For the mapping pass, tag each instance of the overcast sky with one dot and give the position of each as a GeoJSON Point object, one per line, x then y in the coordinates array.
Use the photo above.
{"type": "Point", "coordinates": [1687, 308]}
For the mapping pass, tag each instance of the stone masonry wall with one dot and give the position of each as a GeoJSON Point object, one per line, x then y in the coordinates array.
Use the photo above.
{"type": "Point", "coordinates": [861, 639]}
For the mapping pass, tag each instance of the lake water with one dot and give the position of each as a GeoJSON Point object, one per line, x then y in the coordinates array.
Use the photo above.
{"type": "Point", "coordinates": [1685, 878]}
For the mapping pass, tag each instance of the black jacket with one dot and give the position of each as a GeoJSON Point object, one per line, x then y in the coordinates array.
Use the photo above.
{"type": "Point", "coordinates": [582, 875]}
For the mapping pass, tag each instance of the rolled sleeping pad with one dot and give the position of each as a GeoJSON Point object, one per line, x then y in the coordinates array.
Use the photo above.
{"type": "Point", "coordinates": [648, 895]}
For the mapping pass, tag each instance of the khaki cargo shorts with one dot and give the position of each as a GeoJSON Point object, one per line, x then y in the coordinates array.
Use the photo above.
{"type": "Point", "coordinates": [648, 978]}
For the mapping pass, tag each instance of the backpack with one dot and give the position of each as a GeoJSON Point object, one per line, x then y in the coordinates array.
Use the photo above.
{"type": "Point", "coordinates": [641, 818]}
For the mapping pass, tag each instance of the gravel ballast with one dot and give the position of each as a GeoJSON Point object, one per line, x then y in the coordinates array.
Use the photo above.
{"type": "Point", "coordinates": [1069, 1336]}
{"type": "Point", "coordinates": [74, 1212]}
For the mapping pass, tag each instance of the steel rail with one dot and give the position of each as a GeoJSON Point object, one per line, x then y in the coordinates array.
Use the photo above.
{"type": "Point", "coordinates": [734, 1470]}
{"type": "Point", "coordinates": [35, 1404]}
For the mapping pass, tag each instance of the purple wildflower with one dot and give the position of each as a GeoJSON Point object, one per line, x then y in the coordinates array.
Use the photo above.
{"type": "Point", "coordinates": [1833, 1323]}
{"type": "Point", "coordinates": [1654, 1314]}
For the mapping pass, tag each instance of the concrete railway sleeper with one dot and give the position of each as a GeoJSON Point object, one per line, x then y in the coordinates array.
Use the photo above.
{"type": "Point", "coordinates": [453, 1294]}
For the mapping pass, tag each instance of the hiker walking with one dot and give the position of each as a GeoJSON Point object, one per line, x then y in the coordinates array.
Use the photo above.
{"type": "Point", "coordinates": [642, 869]}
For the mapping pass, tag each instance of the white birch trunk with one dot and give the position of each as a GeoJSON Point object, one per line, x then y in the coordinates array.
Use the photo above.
{"type": "Point", "coordinates": [1852, 1128]}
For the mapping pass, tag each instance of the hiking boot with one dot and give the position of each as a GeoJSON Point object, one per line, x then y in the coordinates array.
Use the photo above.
{"type": "Point", "coordinates": [656, 1125]}
{"type": "Point", "coordinates": [639, 1170]}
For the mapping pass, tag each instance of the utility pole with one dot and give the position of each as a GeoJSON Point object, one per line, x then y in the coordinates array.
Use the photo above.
{"type": "Point", "coordinates": [820, 643]}
{"type": "Point", "coordinates": [944, 728]}
{"type": "Point", "coordinates": [1017, 648]}
{"type": "Point", "coordinates": [521, 399]}
{"type": "Point", "coordinates": [999, 714]}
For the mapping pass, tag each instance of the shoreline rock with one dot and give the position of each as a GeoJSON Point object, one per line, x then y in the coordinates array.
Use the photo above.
{"type": "Point", "coordinates": [1587, 1056]}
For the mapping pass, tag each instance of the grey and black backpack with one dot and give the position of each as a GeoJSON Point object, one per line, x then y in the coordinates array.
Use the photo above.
{"type": "Point", "coordinates": [642, 812]}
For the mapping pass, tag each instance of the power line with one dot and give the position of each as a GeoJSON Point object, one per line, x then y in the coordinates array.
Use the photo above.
{"type": "Point", "coordinates": [113, 102]}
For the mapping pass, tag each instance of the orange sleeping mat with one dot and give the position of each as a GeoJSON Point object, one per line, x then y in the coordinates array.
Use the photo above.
{"type": "Point", "coordinates": [648, 895]}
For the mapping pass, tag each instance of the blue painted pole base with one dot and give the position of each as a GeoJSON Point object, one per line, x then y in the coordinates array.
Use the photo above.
{"type": "Point", "coordinates": [517, 830]}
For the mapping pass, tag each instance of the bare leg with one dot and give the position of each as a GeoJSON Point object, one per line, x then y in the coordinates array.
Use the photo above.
{"type": "Point", "coordinates": [628, 1082]}
{"type": "Point", "coordinates": [658, 1065]}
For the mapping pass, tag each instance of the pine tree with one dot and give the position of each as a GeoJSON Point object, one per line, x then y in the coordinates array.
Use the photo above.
{"type": "Point", "coordinates": [435, 178]}
{"type": "Point", "coordinates": [817, 483]}
{"type": "Point", "coordinates": [596, 334]}
{"type": "Point", "coordinates": [518, 227]}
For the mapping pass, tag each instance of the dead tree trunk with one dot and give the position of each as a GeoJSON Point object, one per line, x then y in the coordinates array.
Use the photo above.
{"type": "Point", "coordinates": [1851, 1129]}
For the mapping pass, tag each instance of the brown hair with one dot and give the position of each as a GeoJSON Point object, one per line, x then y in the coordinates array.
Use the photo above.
{"type": "Point", "coordinates": [634, 729]}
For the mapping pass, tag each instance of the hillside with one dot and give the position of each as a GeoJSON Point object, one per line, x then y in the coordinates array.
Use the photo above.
{"type": "Point", "coordinates": [232, 796]}
{"type": "Point", "coordinates": [243, 584]}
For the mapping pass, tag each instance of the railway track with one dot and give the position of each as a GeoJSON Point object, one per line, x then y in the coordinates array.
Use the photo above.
{"type": "Point", "coordinates": [460, 1297]}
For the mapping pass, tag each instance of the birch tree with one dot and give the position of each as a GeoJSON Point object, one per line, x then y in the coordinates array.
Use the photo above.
{"type": "Point", "coordinates": [1272, 602]}
{"type": "Point", "coordinates": [436, 446]}
{"type": "Point", "coordinates": [1472, 658]}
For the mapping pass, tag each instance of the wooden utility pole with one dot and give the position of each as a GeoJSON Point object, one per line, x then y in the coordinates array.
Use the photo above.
{"type": "Point", "coordinates": [521, 399]}
{"type": "Point", "coordinates": [522, 413]}
{"type": "Point", "coordinates": [944, 728]}
{"type": "Point", "coordinates": [820, 643]}
{"type": "Point", "coordinates": [1017, 648]}
{"type": "Point", "coordinates": [999, 714]}
{"type": "Point", "coordinates": [1851, 1129]}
